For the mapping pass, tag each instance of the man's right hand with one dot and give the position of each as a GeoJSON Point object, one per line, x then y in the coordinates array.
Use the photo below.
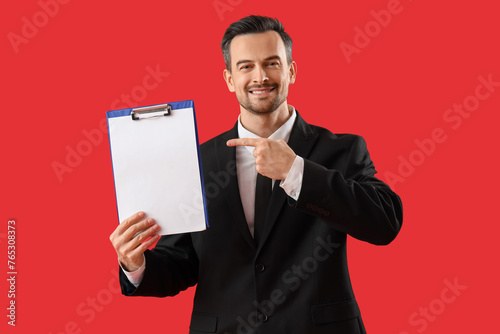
{"type": "Point", "coordinates": [130, 240]}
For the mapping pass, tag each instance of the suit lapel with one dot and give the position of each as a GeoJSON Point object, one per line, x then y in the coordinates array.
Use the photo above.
{"type": "Point", "coordinates": [302, 137]}
{"type": "Point", "coordinates": [226, 156]}
{"type": "Point", "coordinates": [301, 141]}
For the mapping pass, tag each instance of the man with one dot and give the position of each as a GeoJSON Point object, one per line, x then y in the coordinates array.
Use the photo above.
{"type": "Point", "coordinates": [270, 262]}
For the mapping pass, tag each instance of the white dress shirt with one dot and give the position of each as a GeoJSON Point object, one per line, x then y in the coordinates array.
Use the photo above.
{"type": "Point", "coordinates": [247, 174]}
{"type": "Point", "coordinates": [247, 178]}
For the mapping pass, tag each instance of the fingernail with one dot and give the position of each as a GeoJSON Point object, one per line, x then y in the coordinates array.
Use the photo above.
{"type": "Point", "coordinates": [150, 220]}
{"type": "Point", "coordinates": [140, 213]}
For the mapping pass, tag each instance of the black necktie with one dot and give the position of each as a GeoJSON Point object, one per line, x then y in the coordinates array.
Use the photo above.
{"type": "Point", "coordinates": [263, 190]}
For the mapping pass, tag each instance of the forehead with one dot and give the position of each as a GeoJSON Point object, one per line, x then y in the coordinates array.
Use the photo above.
{"type": "Point", "coordinates": [257, 46]}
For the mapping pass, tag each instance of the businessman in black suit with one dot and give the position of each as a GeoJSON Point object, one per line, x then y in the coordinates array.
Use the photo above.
{"type": "Point", "coordinates": [287, 194]}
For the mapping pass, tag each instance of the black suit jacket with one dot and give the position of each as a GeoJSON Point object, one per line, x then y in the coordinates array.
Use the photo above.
{"type": "Point", "coordinates": [296, 280]}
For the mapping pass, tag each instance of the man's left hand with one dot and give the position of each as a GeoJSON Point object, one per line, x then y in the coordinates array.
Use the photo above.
{"type": "Point", "coordinates": [273, 158]}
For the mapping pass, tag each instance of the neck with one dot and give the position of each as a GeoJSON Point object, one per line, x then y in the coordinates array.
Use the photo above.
{"type": "Point", "coordinates": [265, 125]}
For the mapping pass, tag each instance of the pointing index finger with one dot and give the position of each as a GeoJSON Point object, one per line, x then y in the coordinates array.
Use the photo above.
{"type": "Point", "coordinates": [244, 142]}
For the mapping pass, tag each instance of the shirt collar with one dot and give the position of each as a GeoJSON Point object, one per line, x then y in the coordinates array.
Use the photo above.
{"type": "Point", "coordinates": [282, 133]}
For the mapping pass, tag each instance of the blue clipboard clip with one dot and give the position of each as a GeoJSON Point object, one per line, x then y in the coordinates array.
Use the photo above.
{"type": "Point", "coordinates": [158, 110]}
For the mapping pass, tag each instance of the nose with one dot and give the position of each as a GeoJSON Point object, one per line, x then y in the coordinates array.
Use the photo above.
{"type": "Point", "coordinates": [260, 75]}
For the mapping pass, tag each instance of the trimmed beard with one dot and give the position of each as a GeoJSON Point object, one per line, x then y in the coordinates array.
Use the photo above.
{"type": "Point", "coordinates": [270, 108]}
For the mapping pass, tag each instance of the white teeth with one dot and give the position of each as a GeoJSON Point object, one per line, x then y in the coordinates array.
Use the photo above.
{"type": "Point", "coordinates": [260, 91]}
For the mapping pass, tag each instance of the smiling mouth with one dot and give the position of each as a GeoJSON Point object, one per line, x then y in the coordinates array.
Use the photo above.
{"type": "Point", "coordinates": [261, 91]}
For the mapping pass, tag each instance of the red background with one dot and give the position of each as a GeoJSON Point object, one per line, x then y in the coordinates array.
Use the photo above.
{"type": "Point", "coordinates": [59, 82]}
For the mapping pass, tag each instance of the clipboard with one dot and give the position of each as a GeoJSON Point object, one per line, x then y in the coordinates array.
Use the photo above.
{"type": "Point", "coordinates": [157, 169]}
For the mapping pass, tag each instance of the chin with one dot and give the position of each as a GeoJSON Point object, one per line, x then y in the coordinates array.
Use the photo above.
{"type": "Point", "coordinates": [262, 111]}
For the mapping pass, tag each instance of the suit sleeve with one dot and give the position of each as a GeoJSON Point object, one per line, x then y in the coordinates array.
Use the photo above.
{"type": "Point", "coordinates": [171, 267]}
{"type": "Point", "coordinates": [354, 202]}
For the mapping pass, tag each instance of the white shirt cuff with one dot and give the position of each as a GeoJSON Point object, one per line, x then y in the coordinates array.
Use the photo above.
{"type": "Point", "coordinates": [135, 277]}
{"type": "Point", "coordinates": [293, 182]}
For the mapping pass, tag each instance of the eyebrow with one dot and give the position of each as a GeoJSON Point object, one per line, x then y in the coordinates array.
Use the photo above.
{"type": "Point", "coordinates": [243, 61]}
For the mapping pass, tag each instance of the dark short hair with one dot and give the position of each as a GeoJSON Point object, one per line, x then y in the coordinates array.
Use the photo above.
{"type": "Point", "coordinates": [251, 25]}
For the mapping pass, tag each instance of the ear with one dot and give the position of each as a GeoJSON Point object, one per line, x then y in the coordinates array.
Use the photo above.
{"type": "Point", "coordinates": [293, 72]}
{"type": "Point", "coordinates": [228, 77]}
